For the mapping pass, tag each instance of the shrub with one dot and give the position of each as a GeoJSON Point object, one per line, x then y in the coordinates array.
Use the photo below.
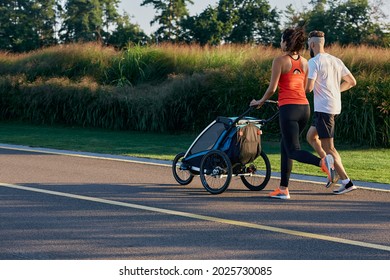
{"type": "Point", "coordinates": [176, 88]}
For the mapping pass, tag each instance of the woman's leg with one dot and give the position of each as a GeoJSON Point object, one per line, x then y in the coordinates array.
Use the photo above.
{"type": "Point", "coordinates": [285, 166]}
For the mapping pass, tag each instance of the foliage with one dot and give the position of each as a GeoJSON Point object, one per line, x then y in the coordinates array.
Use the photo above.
{"type": "Point", "coordinates": [32, 24]}
{"type": "Point", "coordinates": [255, 22]}
{"type": "Point", "coordinates": [26, 25]}
{"type": "Point", "coordinates": [344, 21]}
{"type": "Point", "coordinates": [233, 21]}
{"type": "Point", "coordinates": [127, 33]}
{"type": "Point", "coordinates": [171, 13]}
{"type": "Point", "coordinates": [176, 88]}
{"type": "Point", "coordinates": [205, 28]}
{"type": "Point", "coordinates": [82, 21]}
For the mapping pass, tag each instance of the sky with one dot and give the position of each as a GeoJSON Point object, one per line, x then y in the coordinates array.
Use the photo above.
{"type": "Point", "coordinates": [143, 15]}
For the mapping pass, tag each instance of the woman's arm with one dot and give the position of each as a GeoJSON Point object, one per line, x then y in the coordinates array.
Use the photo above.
{"type": "Point", "coordinates": [275, 76]}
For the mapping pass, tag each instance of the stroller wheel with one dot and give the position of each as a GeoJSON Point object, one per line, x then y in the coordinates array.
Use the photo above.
{"type": "Point", "coordinates": [258, 179]}
{"type": "Point", "coordinates": [215, 171]}
{"type": "Point", "coordinates": [182, 176]}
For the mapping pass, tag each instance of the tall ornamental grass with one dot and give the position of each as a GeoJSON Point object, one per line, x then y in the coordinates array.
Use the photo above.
{"type": "Point", "coordinates": [73, 61]}
{"type": "Point", "coordinates": [177, 87]}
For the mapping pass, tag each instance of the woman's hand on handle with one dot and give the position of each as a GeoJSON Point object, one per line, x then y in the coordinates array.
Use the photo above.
{"type": "Point", "coordinates": [256, 103]}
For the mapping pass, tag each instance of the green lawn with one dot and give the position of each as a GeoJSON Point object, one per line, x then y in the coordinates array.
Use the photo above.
{"type": "Point", "coordinates": [361, 164]}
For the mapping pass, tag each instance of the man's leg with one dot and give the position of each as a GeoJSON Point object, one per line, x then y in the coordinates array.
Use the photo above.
{"type": "Point", "coordinates": [323, 124]}
{"type": "Point", "coordinates": [347, 185]}
{"type": "Point", "coordinates": [314, 141]}
{"type": "Point", "coordinates": [329, 148]}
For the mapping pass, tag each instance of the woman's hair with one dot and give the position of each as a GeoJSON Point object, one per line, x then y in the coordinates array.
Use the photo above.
{"type": "Point", "coordinates": [295, 39]}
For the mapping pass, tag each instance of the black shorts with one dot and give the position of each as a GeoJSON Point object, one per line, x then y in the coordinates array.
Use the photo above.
{"type": "Point", "coordinates": [324, 123]}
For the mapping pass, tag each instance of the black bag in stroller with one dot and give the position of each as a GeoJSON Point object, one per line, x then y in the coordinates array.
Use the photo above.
{"type": "Point", "coordinates": [246, 145]}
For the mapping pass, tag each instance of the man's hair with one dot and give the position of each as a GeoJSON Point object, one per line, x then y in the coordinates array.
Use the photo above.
{"type": "Point", "coordinates": [316, 33]}
{"type": "Point", "coordinates": [317, 37]}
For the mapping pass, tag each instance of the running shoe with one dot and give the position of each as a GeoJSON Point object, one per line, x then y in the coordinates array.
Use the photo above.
{"type": "Point", "coordinates": [327, 165]}
{"type": "Point", "coordinates": [278, 193]}
{"type": "Point", "coordinates": [334, 182]}
{"type": "Point", "coordinates": [344, 188]}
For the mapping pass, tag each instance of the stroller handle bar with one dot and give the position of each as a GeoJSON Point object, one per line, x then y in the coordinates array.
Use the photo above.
{"type": "Point", "coordinates": [250, 108]}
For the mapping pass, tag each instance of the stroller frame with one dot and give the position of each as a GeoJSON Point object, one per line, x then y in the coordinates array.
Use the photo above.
{"type": "Point", "coordinates": [208, 158]}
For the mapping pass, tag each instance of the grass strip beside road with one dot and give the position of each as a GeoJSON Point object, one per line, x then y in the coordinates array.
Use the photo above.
{"type": "Point", "coordinates": [362, 164]}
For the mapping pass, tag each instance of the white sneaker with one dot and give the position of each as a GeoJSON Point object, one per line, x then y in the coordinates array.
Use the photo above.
{"type": "Point", "coordinates": [345, 188]}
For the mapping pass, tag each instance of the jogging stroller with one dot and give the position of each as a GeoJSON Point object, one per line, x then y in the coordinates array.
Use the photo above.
{"type": "Point", "coordinates": [225, 148]}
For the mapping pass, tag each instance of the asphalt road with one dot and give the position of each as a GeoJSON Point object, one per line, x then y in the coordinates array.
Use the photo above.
{"type": "Point", "coordinates": [69, 207]}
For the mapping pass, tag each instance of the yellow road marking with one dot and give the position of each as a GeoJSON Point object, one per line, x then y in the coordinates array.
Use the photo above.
{"type": "Point", "coordinates": [203, 217]}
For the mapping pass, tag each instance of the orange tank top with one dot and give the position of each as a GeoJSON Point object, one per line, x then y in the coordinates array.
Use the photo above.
{"type": "Point", "coordinates": [291, 85]}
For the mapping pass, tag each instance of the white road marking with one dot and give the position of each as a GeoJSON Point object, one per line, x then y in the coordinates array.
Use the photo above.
{"type": "Point", "coordinates": [139, 161]}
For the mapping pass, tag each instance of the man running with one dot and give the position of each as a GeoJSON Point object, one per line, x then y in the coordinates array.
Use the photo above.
{"type": "Point", "coordinates": [327, 77]}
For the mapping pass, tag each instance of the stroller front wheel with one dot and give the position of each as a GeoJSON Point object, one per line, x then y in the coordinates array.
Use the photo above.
{"type": "Point", "coordinates": [215, 171]}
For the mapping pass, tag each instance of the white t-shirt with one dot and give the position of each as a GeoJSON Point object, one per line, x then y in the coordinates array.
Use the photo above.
{"type": "Point", "coordinates": [327, 71]}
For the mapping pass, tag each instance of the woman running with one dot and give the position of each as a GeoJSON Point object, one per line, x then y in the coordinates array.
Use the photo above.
{"type": "Point", "coordinates": [289, 73]}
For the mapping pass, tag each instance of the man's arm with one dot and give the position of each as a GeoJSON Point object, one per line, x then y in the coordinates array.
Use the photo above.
{"type": "Point", "coordinates": [309, 85]}
{"type": "Point", "coordinates": [348, 82]}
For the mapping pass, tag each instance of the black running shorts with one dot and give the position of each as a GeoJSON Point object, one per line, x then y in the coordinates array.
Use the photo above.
{"type": "Point", "coordinates": [324, 123]}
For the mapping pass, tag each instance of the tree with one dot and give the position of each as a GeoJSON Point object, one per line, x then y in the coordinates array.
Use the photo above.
{"type": "Point", "coordinates": [8, 23]}
{"type": "Point", "coordinates": [212, 26]}
{"type": "Point", "coordinates": [43, 13]}
{"type": "Point", "coordinates": [234, 21]}
{"type": "Point", "coordinates": [254, 22]}
{"type": "Point", "coordinates": [82, 21]}
{"type": "Point", "coordinates": [344, 21]}
{"type": "Point", "coordinates": [26, 24]}
{"type": "Point", "coordinates": [127, 32]}
{"type": "Point", "coordinates": [110, 16]}
{"type": "Point", "coordinates": [172, 12]}
{"type": "Point", "coordinates": [355, 24]}
{"type": "Point", "coordinates": [205, 28]}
